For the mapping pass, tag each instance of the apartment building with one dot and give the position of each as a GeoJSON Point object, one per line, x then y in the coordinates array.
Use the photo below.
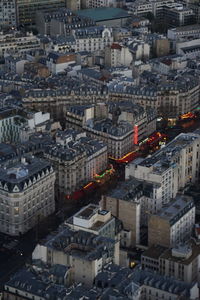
{"type": "Point", "coordinates": [181, 262]}
{"type": "Point", "coordinates": [22, 284]}
{"type": "Point", "coordinates": [118, 138]}
{"type": "Point", "coordinates": [173, 167]}
{"type": "Point", "coordinates": [56, 101]}
{"type": "Point", "coordinates": [105, 122]}
{"type": "Point", "coordinates": [85, 252]}
{"type": "Point", "coordinates": [117, 135]}
{"type": "Point", "coordinates": [92, 218]}
{"type": "Point", "coordinates": [118, 55]}
{"type": "Point", "coordinates": [143, 120]}
{"type": "Point", "coordinates": [189, 49]}
{"type": "Point", "coordinates": [100, 3]}
{"type": "Point", "coordinates": [16, 124]}
{"type": "Point", "coordinates": [18, 43]}
{"type": "Point", "coordinates": [173, 98]}
{"type": "Point", "coordinates": [27, 10]}
{"type": "Point", "coordinates": [73, 4]}
{"type": "Point", "coordinates": [184, 32]}
{"type": "Point", "coordinates": [58, 63]}
{"type": "Point", "coordinates": [178, 16]}
{"type": "Point", "coordinates": [141, 284]}
{"type": "Point", "coordinates": [142, 8]}
{"type": "Point", "coordinates": [77, 159]}
{"type": "Point", "coordinates": [173, 225]}
{"type": "Point", "coordinates": [124, 203]}
{"type": "Point", "coordinates": [60, 22]}
{"type": "Point", "coordinates": [8, 13]}
{"type": "Point", "coordinates": [92, 39]}
{"type": "Point", "coordinates": [132, 202]}
{"type": "Point", "coordinates": [195, 6]}
{"type": "Point", "coordinates": [27, 194]}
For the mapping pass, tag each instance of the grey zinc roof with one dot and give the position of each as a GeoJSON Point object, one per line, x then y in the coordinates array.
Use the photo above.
{"type": "Point", "coordinates": [177, 208]}
{"type": "Point", "coordinates": [16, 175]}
{"type": "Point", "coordinates": [79, 109]}
{"type": "Point", "coordinates": [77, 146]}
{"type": "Point", "coordinates": [107, 126]}
{"type": "Point", "coordinates": [131, 190]}
{"type": "Point", "coordinates": [29, 281]}
{"type": "Point", "coordinates": [162, 158]}
{"type": "Point", "coordinates": [124, 280]}
{"type": "Point", "coordinates": [84, 244]}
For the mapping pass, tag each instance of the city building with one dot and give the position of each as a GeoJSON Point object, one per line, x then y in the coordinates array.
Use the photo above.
{"type": "Point", "coordinates": [117, 55]}
{"type": "Point", "coordinates": [8, 13]}
{"type": "Point", "coordinates": [173, 167]}
{"type": "Point", "coordinates": [167, 12]}
{"type": "Point", "coordinates": [108, 16]}
{"type": "Point", "coordinates": [85, 252]}
{"type": "Point", "coordinates": [88, 117]}
{"type": "Point", "coordinates": [132, 202]}
{"type": "Point", "coordinates": [195, 6]}
{"type": "Point", "coordinates": [143, 120]}
{"type": "Point", "coordinates": [124, 204]}
{"type": "Point", "coordinates": [172, 98]}
{"type": "Point", "coordinates": [56, 101]}
{"type": "Point", "coordinates": [178, 16]}
{"type": "Point", "coordinates": [117, 135]}
{"type": "Point", "coordinates": [15, 64]}
{"type": "Point", "coordinates": [140, 284]}
{"type": "Point", "coordinates": [112, 281]}
{"type": "Point", "coordinates": [167, 64]}
{"type": "Point", "coordinates": [58, 62]}
{"type": "Point", "coordinates": [73, 4]}
{"type": "Point", "coordinates": [92, 39]}
{"type": "Point", "coordinates": [18, 43]}
{"type": "Point", "coordinates": [189, 49]}
{"type": "Point", "coordinates": [77, 159]}
{"type": "Point", "coordinates": [103, 3]}
{"type": "Point", "coordinates": [173, 225]}
{"type": "Point", "coordinates": [181, 262]}
{"type": "Point", "coordinates": [16, 124]}
{"type": "Point", "coordinates": [184, 32]}
{"type": "Point", "coordinates": [92, 218]}
{"type": "Point", "coordinates": [60, 22]}
{"type": "Point", "coordinates": [27, 194]}
{"type": "Point", "coordinates": [38, 280]}
{"type": "Point", "coordinates": [36, 69]}
{"type": "Point", "coordinates": [27, 10]}
{"type": "Point", "coordinates": [161, 47]}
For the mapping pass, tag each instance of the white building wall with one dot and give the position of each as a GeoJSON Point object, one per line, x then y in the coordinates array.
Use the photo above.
{"type": "Point", "coordinates": [40, 252]}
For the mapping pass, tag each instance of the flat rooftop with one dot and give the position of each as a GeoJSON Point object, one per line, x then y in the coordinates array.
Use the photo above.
{"type": "Point", "coordinates": [103, 13]}
{"type": "Point", "coordinates": [132, 189]}
{"type": "Point", "coordinates": [154, 252]}
{"type": "Point", "coordinates": [186, 28]}
{"type": "Point", "coordinates": [87, 212]}
{"type": "Point", "coordinates": [185, 261]}
{"type": "Point", "coordinates": [162, 159]}
{"type": "Point", "coordinates": [97, 225]}
{"type": "Point", "coordinates": [177, 208]}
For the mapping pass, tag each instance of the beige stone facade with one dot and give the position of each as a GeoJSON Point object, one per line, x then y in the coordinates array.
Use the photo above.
{"type": "Point", "coordinates": [129, 213]}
